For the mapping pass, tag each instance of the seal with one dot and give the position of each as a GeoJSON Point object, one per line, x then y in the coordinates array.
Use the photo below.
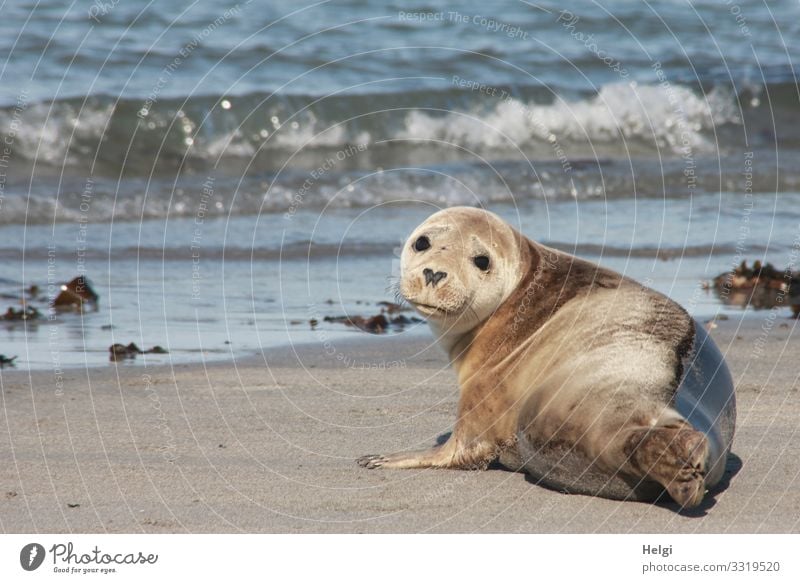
{"type": "Point", "coordinates": [587, 380]}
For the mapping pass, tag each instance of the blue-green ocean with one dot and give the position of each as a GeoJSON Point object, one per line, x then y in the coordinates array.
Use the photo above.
{"type": "Point", "coordinates": [223, 172]}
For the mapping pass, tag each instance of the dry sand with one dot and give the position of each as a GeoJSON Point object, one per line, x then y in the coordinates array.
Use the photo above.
{"type": "Point", "coordinates": [268, 445]}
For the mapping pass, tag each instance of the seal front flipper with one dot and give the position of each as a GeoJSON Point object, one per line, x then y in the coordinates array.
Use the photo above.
{"type": "Point", "coordinates": [400, 460]}
{"type": "Point", "coordinates": [452, 455]}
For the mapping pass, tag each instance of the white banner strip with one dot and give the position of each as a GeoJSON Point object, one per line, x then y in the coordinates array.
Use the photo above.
{"type": "Point", "coordinates": [388, 558]}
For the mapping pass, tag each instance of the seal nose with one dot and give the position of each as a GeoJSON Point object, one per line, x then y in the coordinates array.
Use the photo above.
{"type": "Point", "coordinates": [433, 278]}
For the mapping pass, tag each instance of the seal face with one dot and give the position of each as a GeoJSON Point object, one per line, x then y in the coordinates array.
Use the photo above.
{"type": "Point", "coordinates": [585, 379]}
{"type": "Point", "coordinates": [458, 267]}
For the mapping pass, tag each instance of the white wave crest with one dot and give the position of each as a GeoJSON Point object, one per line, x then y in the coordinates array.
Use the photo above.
{"type": "Point", "coordinates": [670, 116]}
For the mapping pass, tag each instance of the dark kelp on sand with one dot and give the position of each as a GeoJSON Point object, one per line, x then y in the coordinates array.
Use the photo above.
{"type": "Point", "coordinates": [6, 360]}
{"type": "Point", "coordinates": [761, 286]}
{"type": "Point", "coordinates": [389, 318]}
{"type": "Point", "coordinates": [76, 295]}
{"type": "Point", "coordinates": [122, 352]}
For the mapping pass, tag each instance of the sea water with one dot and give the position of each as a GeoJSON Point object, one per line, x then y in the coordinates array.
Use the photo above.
{"type": "Point", "coordinates": [224, 174]}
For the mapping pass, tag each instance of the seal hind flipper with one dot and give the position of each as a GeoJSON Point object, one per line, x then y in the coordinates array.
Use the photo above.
{"type": "Point", "coordinates": [639, 464]}
{"type": "Point", "coordinates": [674, 456]}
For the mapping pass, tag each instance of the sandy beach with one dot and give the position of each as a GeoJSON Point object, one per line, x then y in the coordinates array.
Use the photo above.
{"type": "Point", "coordinates": [268, 445]}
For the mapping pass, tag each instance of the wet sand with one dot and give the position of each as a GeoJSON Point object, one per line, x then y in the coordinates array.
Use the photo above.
{"type": "Point", "coordinates": [268, 445]}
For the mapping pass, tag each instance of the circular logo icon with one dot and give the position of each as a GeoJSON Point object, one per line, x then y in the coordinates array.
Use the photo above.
{"type": "Point", "coordinates": [31, 556]}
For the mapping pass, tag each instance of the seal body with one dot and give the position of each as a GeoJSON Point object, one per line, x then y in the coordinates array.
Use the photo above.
{"type": "Point", "coordinates": [587, 380]}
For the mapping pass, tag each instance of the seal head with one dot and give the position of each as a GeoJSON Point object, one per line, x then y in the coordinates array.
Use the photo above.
{"type": "Point", "coordinates": [459, 266]}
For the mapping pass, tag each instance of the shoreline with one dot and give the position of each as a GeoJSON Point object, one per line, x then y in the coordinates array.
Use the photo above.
{"type": "Point", "coordinates": [358, 339]}
{"type": "Point", "coordinates": [268, 445]}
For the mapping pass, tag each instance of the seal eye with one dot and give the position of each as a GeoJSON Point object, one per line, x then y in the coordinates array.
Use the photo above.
{"type": "Point", "coordinates": [481, 262]}
{"type": "Point", "coordinates": [422, 243]}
